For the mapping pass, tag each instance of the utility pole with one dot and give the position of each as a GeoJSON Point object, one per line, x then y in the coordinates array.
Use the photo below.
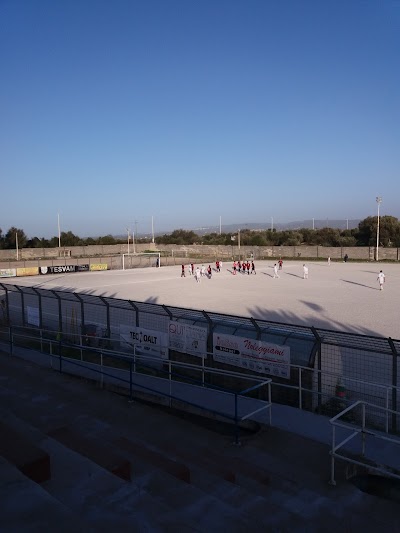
{"type": "Point", "coordinates": [378, 201]}
{"type": "Point", "coordinates": [59, 235]}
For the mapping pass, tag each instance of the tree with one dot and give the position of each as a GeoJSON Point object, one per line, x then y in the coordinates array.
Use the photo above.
{"type": "Point", "coordinates": [69, 239]}
{"type": "Point", "coordinates": [107, 239]}
{"type": "Point", "coordinates": [389, 231]}
{"type": "Point", "coordinates": [179, 236]}
{"type": "Point", "coordinates": [10, 238]}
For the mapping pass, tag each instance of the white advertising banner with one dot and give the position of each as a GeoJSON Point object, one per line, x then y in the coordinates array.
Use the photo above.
{"type": "Point", "coordinates": [8, 272]}
{"type": "Point", "coordinates": [154, 343]}
{"type": "Point", "coordinates": [258, 356]}
{"type": "Point", "coordinates": [187, 338]}
{"type": "Point", "coordinates": [32, 315]}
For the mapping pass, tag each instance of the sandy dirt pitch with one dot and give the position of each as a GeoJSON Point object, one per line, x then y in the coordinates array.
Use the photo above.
{"type": "Point", "coordinates": [342, 296]}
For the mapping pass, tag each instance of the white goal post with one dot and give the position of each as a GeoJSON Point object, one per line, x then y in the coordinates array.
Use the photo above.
{"type": "Point", "coordinates": [141, 260]}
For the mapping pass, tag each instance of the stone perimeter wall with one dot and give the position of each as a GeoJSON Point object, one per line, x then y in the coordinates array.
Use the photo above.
{"type": "Point", "coordinates": [102, 252]}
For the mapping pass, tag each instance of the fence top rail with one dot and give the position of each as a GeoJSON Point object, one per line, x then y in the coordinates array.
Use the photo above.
{"type": "Point", "coordinates": [368, 343]}
{"type": "Point", "coordinates": [131, 358]}
{"type": "Point", "coordinates": [335, 420]}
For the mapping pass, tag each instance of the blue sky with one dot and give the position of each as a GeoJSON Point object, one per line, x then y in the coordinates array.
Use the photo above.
{"type": "Point", "coordinates": [112, 112]}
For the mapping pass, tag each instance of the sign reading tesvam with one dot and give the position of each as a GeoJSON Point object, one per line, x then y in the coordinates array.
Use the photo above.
{"type": "Point", "coordinates": [187, 338]}
{"type": "Point", "coordinates": [154, 343]}
{"type": "Point", "coordinates": [258, 356]}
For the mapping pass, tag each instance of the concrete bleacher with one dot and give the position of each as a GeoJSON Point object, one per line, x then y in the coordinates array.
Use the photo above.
{"type": "Point", "coordinates": [182, 477]}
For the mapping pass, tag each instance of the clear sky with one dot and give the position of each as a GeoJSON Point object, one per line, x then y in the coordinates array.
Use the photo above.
{"type": "Point", "coordinates": [187, 110]}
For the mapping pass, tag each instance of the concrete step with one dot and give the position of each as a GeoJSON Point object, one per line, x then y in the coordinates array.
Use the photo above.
{"type": "Point", "coordinates": [25, 505]}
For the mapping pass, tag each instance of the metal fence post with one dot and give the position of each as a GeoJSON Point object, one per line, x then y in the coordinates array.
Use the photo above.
{"type": "Point", "coordinates": [394, 383]}
{"type": "Point", "coordinates": [10, 339]}
{"type": "Point", "coordinates": [22, 303]}
{"type": "Point", "coordinates": [319, 364]}
{"type": "Point", "coordinates": [332, 480]}
{"type": "Point", "coordinates": [130, 381]}
{"type": "Point", "coordinates": [236, 441]}
{"type": "Point", "coordinates": [300, 390]}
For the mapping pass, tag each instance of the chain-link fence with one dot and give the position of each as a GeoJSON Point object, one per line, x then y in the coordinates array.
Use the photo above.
{"type": "Point", "coordinates": [325, 370]}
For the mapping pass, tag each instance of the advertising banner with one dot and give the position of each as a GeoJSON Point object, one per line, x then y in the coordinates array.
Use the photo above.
{"type": "Point", "coordinates": [82, 268]}
{"type": "Point", "coordinates": [28, 271]}
{"type": "Point", "coordinates": [8, 272]}
{"type": "Point", "coordinates": [98, 266]}
{"type": "Point", "coordinates": [187, 338]}
{"type": "Point", "coordinates": [151, 342]}
{"type": "Point", "coordinates": [258, 356]}
{"type": "Point", "coordinates": [61, 269]}
{"type": "Point", "coordinates": [32, 316]}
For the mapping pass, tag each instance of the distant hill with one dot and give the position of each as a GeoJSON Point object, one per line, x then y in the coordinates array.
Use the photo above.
{"type": "Point", "coordinates": [341, 224]}
{"type": "Point", "coordinates": [317, 224]}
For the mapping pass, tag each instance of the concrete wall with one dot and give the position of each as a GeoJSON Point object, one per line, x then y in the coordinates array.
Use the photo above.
{"type": "Point", "coordinates": [196, 251]}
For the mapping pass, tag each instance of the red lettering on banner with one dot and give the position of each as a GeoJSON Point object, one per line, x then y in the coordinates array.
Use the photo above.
{"type": "Point", "coordinates": [262, 350]}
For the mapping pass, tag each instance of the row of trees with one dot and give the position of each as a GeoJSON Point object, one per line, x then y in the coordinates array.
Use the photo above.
{"type": "Point", "coordinates": [364, 235]}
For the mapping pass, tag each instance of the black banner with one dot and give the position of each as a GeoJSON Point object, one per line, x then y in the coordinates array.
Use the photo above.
{"type": "Point", "coordinates": [63, 269]}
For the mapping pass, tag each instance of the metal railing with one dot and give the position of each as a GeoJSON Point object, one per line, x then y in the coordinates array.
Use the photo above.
{"type": "Point", "coordinates": [302, 388]}
{"type": "Point", "coordinates": [355, 431]}
{"type": "Point", "coordinates": [138, 364]}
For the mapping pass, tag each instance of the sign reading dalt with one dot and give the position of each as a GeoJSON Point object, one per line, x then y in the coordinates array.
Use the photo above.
{"type": "Point", "coordinates": [149, 341]}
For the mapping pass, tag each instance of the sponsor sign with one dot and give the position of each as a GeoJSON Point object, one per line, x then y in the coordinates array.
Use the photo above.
{"type": "Point", "coordinates": [82, 268]}
{"type": "Point", "coordinates": [258, 356]}
{"type": "Point", "coordinates": [151, 342]}
{"type": "Point", "coordinates": [32, 315]}
{"type": "Point", "coordinates": [187, 339]}
{"type": "Point", "coordinates": [61, 269]}
{"type": "Point", "coordinates": [8, 272]}
{"type": "Point", "coordinates": [28, 271]}
{"type": "Point", "coordinates": [98, 266]}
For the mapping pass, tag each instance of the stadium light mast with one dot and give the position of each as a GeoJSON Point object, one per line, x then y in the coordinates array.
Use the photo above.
{"type": "Point", "coordinates": [128, 230]}
{"type": "Point", "coordinates": [378, 201]}
{"type": "Point", "coordinates": [152, 229]}
{"type": "Point", "coordinates": [16, 243]}
{"type": "Point", "coordinates": [59, 234]}
{"type": "Point", "coordinates": [272, 224]}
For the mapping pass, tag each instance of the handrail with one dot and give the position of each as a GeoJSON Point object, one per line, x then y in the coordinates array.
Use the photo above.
{"type": "Point", "coordinates": [387, 390]}
{"type": "Point", "coordinates": [355, 431]}
{"type": "Point", "coordinates": [132, 362]}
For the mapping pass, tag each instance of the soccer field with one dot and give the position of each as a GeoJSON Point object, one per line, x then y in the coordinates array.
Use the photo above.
{"type": "Point", "coordinates": [342, 296]}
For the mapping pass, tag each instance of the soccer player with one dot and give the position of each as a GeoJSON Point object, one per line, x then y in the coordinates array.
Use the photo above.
{"type": "Point", "coordinates": [253, 268]}
{"type": "Point", "coordinates": [305, 272]}
{"type": "Point", "coordinates": [276, 275]}
{"type": "Point", "coordinates": [183, 275]}
{"type": "Point", "coordinates": [381, 279]}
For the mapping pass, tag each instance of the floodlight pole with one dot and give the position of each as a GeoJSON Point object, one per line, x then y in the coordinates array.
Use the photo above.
{"type": "Point", "coordinates": [152, 229]}
{"type": "Point", "coordinates": [127, 229]}
{"type": "Point", "coordinates": [133, 242]}
{"type": "Point", "coordinates": [378, 201]}
{"type": "Point", "coordinates": [272, 224]}
{"type": "Point", "coordinates": [239, 242]}
{"type": "Point", "coordinates": [59, 234]}
{"type": "Point", "coordinates": [16, 242]}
